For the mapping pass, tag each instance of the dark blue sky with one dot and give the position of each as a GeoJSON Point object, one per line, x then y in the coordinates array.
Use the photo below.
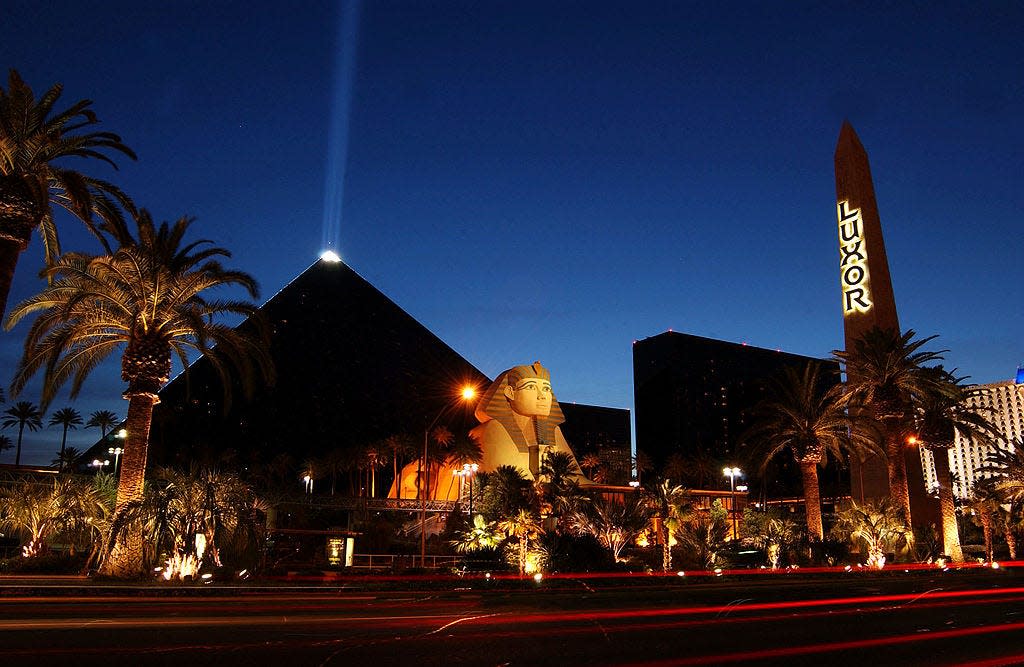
{"type": "Point", "coordinates": [552, 180]}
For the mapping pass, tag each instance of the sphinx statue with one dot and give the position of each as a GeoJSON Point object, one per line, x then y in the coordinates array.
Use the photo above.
{"type": "Point", "coordinates": [519, 424]}
{"type": "Point", "coordinates": [519, 421]}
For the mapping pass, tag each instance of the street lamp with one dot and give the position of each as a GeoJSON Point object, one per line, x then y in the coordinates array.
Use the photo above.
{"type": "Point", "coordinates": [732, 474]}
{"type": "Point", "coordinates": [467, 394]}
{"type": "Point", "coordinates": [307, 480]}
{"type": "Point", "coordinates": [467, 470]}
{"type": "Point", "coordinates": [116, 451]}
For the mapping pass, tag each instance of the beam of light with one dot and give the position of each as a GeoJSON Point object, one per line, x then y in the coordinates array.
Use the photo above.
{"type": "Point", "coordinates": [341, 107]}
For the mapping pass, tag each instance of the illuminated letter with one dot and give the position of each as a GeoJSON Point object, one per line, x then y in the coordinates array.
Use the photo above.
{"type": "Point", "coordinates": [851, 253]}
{"type": "Point", "coordinates": [856, 300]}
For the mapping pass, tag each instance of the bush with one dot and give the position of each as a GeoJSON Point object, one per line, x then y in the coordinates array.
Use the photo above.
{"type": "Point", "coordinates": [51, 563]}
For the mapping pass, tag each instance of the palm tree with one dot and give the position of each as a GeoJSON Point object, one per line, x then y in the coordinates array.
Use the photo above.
{"type": "Point", "coordinates": [884, 371]}
{"type": "Point", "coordinates": [23, 415]}
{"type": "Point", "coordinates": [34, 142]}
{"type": "Point", "coordinates": [149, 298]}
{"type": "Point", "coordinates": [878, 527]}
{"type": "Point", "coordinates": [811, 423]}
{"type": "Point", "coordinates": [504, 492]}
{"type": "Point", "coordinates": [941, 415]}
{"type": "Point", "coordinates": [595, 467]}
{"type": "Point", "coordinates": [69, 418]}
{"type": "Point", "coordinates": [1005, 466]}
{"type": "Point", "coordinates": [523, 526]}
{"type": "Point", "coordinates": [701, 468]}
{"type": "Point", "coordinates": [399, 447]}
{"type": "Point", "coordinates": [191, 517]}
{"type": "Point", "coordinates": [983, 507]}
{"type": "Point", "coordinates": [104, 420]}
{"type": "Point", "coordinates": [5, 444]}
{"type": "Point", "coordinates": [615, 524]}
{"type": "Point", "coordinates": [66, 458]}
{"type": "Point", "coordinates": [671, 505]}
{"type": "Point", "coordinates": [560, 488]}
{"type": "Point", "coordinates": [40, 512]}
{"type": "Point", "coordinates": [704, 535]}
{"type": "Point", "coordinates": [332, 463]}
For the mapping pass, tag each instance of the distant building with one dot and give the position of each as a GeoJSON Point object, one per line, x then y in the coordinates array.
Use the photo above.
{"type": "Point", "coordinates": [694, 396]}
{"type": "Point", "coordinates": [1006, 402]}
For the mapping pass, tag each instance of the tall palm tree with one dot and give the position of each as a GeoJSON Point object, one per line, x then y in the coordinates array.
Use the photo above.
{"type": "Point", "coordinates": [104, 420]}
{"type": "Point", "coordinates": [23, 415]}
{"type": "Point", "coordinates": [671, 504]}
{"type": "Point", "coordinates": [701, 468]}
{"type": "Point", "coordinates": [35, 139]}
{"type": "Point", "coordinates": [399, 446]}
{"type": "Point", "coordinates": [884, 371]}
{"type": "Point", "coordinates": [68, 418]}
{"type": "Point", "coordinates": [148, 297]}
{"type": "Point", "coordinates": [809, 421]}
{"type": "Point", "coordinates": [941, 414]}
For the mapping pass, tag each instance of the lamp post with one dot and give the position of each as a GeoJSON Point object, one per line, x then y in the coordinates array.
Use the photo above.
{"type": "Point", "coordinates": [732, 473]}
{"type": "Point", "coordinates": [467, 394]}
{"type": "Point", "coordinates": [467, 470]}
{"type": "Point", "coordinates": [116, 451]}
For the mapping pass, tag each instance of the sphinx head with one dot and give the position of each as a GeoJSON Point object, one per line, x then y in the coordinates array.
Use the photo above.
{"type": "Point", "coordinates": [529, 390]}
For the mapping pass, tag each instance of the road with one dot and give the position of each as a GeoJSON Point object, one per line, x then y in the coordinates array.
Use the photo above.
{"type": "Point", "coordinates": [934, 618]}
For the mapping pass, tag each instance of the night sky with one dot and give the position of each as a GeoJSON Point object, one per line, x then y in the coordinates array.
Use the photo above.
{"type": "Point", "coordinates": [554, 180]}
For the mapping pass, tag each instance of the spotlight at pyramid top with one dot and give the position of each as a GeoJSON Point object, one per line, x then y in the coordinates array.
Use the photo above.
{"type": "Point", "coordinates": [330, 256]}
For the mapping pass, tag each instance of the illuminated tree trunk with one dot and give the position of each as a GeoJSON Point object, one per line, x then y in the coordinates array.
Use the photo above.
{"type": "Point", "coordinates": [19, 215]}
{"type": "Point", "coordinates": [1011, 538]}
{"type": "Point", "coordinates": [899, 490]}
{"type": "Point", "coordinates": [950, 532]}
{"type": "Point", "coordinates": [125, 559]}
{"type": "Point", "coordinates": [812, 498]}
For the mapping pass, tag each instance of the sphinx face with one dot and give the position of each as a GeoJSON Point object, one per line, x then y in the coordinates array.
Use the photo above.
{"type": "Point", "coordinates": [530, 397]}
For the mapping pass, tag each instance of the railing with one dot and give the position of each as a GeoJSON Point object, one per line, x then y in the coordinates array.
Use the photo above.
{"type": "Point", "coordinates": [400, 562]}
{"type": "Point", "coordinates": [349, 503]}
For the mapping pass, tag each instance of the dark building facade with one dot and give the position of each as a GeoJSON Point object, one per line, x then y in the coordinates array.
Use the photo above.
{"type": "Point", "coordinates": [693, 396]}
{"type": "Point", "coordinates": [353, 368]}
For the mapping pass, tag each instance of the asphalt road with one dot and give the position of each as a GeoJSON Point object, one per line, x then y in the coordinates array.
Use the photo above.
{"type": "Point", "coordinates": [954, 618]}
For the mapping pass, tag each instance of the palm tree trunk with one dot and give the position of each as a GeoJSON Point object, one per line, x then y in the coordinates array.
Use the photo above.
{"type": "Point", "coordinates": [17, 452]}
{"type": "Point", "coordinates": [63, 441]}
{"type": "Point", "coordinates": [1011, 538]}
{"type": "Point", "coordinates": [899, 490]}
{"type": "Point", "coordinates": [986, 529]}
{"type": "Point", "coordinates": [10, 251]}
{"type": "Point", "coordinates": [812, 499]}
{"type": "Point", "coordinates": [125, 559]}
{"type": "Point", "coordinates": [950, 533]}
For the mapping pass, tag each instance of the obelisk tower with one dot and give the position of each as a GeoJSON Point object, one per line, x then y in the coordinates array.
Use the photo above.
{"type": "Point", "coordinates": [867, 300]}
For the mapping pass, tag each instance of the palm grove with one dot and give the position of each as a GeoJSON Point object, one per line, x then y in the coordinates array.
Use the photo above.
{"type": "Point", "coordinates": [145, 294]}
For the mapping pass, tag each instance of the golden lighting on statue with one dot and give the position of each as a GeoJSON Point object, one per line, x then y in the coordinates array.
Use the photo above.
{"type": "Point", "coordinates": [853, 262]}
